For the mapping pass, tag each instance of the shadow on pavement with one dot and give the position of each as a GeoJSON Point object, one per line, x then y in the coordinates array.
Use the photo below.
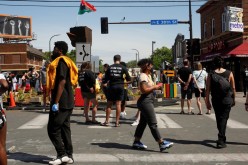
{"type": "Point", "coordinates": [120, 146]}
{"type": "Point", "coordinates": [26, 157]}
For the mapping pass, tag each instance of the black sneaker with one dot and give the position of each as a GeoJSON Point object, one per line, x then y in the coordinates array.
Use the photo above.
{"type": "Point", "coordinates": [220, 144]}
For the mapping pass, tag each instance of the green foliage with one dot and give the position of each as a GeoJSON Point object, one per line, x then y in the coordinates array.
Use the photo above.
{"type": "Point", "coordinates": [161, 55]}
{"type": "Point", "coordinates": [72, 55]}
{"type": "Point", "coordinates": [132, 64]}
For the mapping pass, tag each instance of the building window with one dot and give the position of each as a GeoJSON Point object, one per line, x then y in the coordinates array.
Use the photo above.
{"type": "Point", "coordinates": [223, 21]}
{"type": "Point", "coordinates": [16, 59]}
{"type": "Point", "coordinates": [1, 59]}
{"type": "Point", "coordinates": [213, 27]}
{"type": "Point", "coordinates": [205, 30]}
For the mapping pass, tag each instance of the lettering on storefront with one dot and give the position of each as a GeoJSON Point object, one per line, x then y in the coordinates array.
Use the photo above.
{"type": "Point", "coordinates": [215, 46]}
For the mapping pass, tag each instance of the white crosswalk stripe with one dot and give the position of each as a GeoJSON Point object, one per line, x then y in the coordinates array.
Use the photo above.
{"type": "Point", "coordinates": [231, 123]}
{"type": "Point", "coordinates": [151, 158]}
{"type": "Point", "coordinates": [36, 123]}
{"type": "Point", "coordinates": [165, 122]}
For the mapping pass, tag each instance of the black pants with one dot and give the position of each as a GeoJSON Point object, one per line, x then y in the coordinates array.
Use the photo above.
{"type": "Point", "coordinates": [222, 112]}
{"type": "Point", "coordinates": [245, 86]}
{"type": "Point", "coordinates": [59, 132]}
{"type": "Point", "coordinates": [147, 116]}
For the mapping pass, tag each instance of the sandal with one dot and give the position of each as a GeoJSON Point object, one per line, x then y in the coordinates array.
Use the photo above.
{"type": "Point", "coordinates": [191, 113]}
{"type": "Point", "coordinates": [88, 122]}
{"type": "Point", "coordinates": [95, 122]}
{"type": "Point", "coordinates": [117, 125]}
{"type": "Point", "coordinates": [199, 113]}
{"type": "Point", "coordinates": [182, 112]}
{"type": "Point", "coordinates": [208, 113]}
{"type": "Point", "coordinates": [104, 124]}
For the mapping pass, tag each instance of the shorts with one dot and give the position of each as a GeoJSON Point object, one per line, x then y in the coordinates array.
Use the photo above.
{"type": "Point", "coordinates": [32, 83]}
{"type": "Point", "coordinates": [197, 92]}
{"type": "Point", "coordinates": [125, 97]}
{"type": "Point", "coordinates": [187, 93]}
{"type": "Point", "coordinates": [89, 95]}
{"type": "Point", "coordinates": [115, 93]}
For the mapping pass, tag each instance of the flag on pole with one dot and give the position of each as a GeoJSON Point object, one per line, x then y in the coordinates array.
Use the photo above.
{"type": "Point", "coordinates": [85, 7]}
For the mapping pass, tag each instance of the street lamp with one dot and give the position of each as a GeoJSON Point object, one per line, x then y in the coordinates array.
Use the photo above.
{"type": "Point", "coordinates": [153, 42]}
{"type": "Point", "coordinates": [50, 44]}
{"type": "Point", "coordinates": [137, 55]}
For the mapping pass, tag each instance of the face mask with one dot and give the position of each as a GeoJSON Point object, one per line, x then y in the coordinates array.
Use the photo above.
{"type": "Point", "coordinates": [55, 55]}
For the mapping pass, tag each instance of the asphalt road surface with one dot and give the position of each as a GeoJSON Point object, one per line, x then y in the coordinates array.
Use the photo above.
{"type": "Point", "coordinates": [194, 138]}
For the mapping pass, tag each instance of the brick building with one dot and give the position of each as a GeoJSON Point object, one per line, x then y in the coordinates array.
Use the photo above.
{"type": "Point", "coordinates": [19, 57]}
{"type": "Point", "coordinates": [217, 37]}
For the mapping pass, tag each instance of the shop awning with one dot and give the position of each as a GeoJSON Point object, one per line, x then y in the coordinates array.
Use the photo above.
{"type": "Point", "coordinates": [240, 51]}
{"type": "Point", "coordinates": [210, 56]}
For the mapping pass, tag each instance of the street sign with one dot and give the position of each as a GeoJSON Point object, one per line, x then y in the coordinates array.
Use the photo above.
{"type": "Point", "coordinates": [169, 73]}
{"type": "Point", "coordinates": [83, 52]}
{"type": "Point", "coordinates": [164, 22]}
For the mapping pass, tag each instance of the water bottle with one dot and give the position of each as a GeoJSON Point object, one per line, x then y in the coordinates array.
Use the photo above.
{"type": "Point", "coordinates": [55, 108]}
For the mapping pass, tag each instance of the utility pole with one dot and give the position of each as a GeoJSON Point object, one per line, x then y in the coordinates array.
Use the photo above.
{"type": "Point", "coordinates": [191, 34]}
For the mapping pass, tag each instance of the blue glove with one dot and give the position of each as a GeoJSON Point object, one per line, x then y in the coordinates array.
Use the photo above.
{"type": "Point", "coordinates": [55, 107]}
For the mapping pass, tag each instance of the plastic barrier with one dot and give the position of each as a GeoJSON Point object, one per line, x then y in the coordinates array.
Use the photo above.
{"type": "Point", "coordinates": [79, 101]}
{"type": "Point", "coordinates": [170, 90]}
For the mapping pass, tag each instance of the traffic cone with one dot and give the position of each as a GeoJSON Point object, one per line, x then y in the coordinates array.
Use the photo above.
{"type": "Point", "coordinates": [12, 100]}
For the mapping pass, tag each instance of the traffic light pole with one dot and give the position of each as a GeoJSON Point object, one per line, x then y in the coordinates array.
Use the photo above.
{"type": "Point", "coordinates": [191, 34]}
{"type": "Point", "coordinates": [179, 22]}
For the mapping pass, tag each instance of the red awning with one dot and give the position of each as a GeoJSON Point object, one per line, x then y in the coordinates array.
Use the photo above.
{"type": "Point", "coordinates": [240, 51]}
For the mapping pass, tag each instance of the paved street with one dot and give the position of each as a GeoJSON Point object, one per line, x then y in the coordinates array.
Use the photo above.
{"type": "Point", "coordinates": [194, 137]}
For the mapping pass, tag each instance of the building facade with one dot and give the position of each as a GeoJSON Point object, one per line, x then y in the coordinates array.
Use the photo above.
{"type": "Point", "coordinates": [19, 57]}
{"type": "Point", "coordinates": [224, 32]}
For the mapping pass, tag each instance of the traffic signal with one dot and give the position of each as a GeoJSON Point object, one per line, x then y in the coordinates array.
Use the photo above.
{"type": "Point", "coordinates": [104, 25]}
{"type": "Point", "coordinates": [196, 46]}
{"type": "Point", "coordinates": [80, 34]}
{"type": "Point", "coordinates": [188, 47]}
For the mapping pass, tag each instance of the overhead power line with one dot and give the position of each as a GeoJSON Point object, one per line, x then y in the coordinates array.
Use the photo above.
{"type": "Point", "coordinates": [68, 6]}
{"type": "Point", "coordinates": [104, 1]}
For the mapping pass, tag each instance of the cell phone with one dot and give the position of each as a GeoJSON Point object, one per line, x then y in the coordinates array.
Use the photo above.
{"type": "Point", "coordinates": [160, 84]}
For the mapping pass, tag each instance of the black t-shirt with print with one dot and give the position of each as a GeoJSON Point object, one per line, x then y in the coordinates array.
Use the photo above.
{"type": "Point", "coordinates": [115, 73]}
{"type": "Point", "coordinates": [67, 98]}
{"type": "Point", "coordinates": [86, 80]}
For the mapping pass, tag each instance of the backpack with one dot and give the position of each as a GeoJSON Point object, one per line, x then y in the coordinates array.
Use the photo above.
{"type": "Point", "coordinates": [220, 86]}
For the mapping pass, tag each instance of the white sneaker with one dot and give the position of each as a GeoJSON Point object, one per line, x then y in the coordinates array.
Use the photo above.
{"type": "Point", "coordinates": [71, 161]}
{"type": "Point", "coordinates": [122, 115]}
{"type": "Point", "coordinates": [135, 123]}
{"type": "Point", "coordinates": [58, 161]}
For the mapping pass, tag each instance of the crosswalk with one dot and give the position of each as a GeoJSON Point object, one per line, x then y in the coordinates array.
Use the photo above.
{"type": "Point", "coordinates": [164, 121]}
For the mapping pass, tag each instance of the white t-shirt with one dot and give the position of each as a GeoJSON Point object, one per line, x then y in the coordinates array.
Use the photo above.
{"type": "Point", "coordinates": [144, 77]}
{"type": "Point", "coordinates": [201, 80]}
{"type": "Point", "coordinates": [2, 76]}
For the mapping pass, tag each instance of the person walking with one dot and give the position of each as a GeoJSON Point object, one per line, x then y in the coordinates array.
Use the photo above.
{"type": "Point", "coordinates": [184, 77]}
{"type": "Point", "coordinates": [32, 75]}
{"type": "Point", "coordinates": [145, 104]}
{"type": "Point", "coordinates": [244, 74]}
{"type": "Point", "coordinates": [200, 79]}
{"type": "Point", "coordinates": [62, 76]}
{"type": "Point", "coordinates": [24, 79]}
{"type": "Point", "coordinates": [43, 83]}
{"type": "Point", "coordinates": [87, 82]}
{"type": "Point", "coordinates": [3, 122]}
{"type": "Point", "coordinates": [221, 103]}
{"type": "Point", "coordinates": [114, 77]}
{"type": "Point", "coordinates": [246, 103]}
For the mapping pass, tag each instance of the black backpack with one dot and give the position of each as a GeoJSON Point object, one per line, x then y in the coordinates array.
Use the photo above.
{"type": "Point", "coordinates": [220, 86]}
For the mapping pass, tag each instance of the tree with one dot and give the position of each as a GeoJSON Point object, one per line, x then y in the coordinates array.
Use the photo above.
{"type": "Point", "coordinates": [161, 55]}
{"type": "Point", "coordinates": [132, 64]}
{"type": "Point", "coordinates": [72, 55]}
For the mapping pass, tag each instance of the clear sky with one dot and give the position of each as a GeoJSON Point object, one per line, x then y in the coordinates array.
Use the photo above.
{"type": "Point", "coordinates": [48, 21]}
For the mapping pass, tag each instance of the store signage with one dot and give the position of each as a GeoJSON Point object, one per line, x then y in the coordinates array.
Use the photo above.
{"type": "Point", "coordinates": [234, 17]}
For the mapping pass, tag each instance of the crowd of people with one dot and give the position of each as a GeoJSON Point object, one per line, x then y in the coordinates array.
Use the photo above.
{"type": "Point", "coordinates": [61, 76]}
